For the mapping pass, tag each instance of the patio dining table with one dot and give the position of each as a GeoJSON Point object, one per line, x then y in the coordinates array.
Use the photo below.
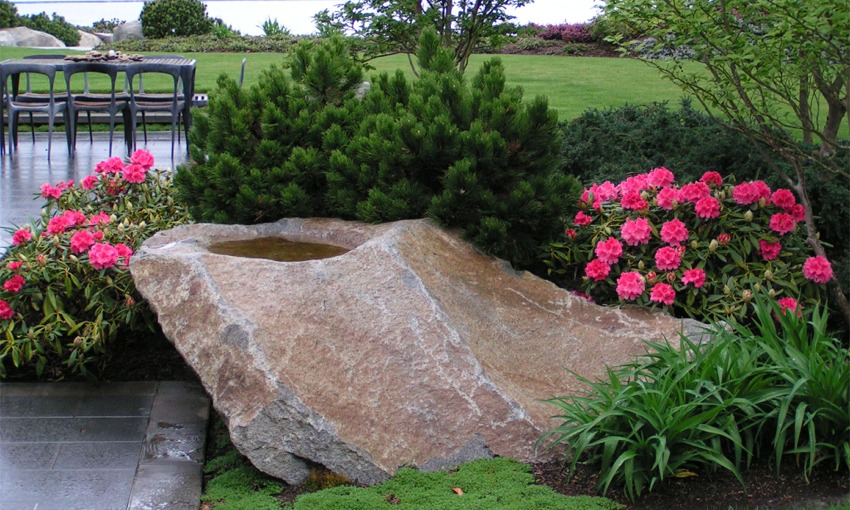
{"type": "Point", "coordinates": [185, 65]}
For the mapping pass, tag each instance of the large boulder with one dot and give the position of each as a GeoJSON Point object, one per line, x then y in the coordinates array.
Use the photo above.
{"type": "Point", "coordinates": [23, 36]}
{"type": "Point", "coordinates": [128, 31]}
{"type": "Point", "coordinates": [89, 40]}
{"type": "Point", "coordinates": [412, 349]}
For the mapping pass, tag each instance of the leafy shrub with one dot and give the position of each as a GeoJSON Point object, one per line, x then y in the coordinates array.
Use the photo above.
{"type": "Point", "coordinates": [208, 43]}
{"type": "Point", "coordinates": [55, 26]}
{"type": "Point", "coordinates": [168, 18]}
{"type": "Point", "coordinates": [704, 249]}
{"type": "Point", "coordinates": [8, 14]}
{"type": "Point", "coordinates": [222, 30]}
{"type": "Point", "coordinates": [271, 28]}
{"type": "Point", "coordinates": [781, 389]}
{"type": "Point", "coordinates": [67, 291]}
{"type": "Point", "coordinates": [106, 26]}
{"type": "Point", "coordinates": [476, 158]}
{"type": "Point", "coordinates": [497, 484]}
{"type": "Point", "coordinates": [567, 32]}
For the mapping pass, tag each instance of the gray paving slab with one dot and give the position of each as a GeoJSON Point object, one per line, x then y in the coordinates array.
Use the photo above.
{"type": "Point", "coordinates": [102, 447]}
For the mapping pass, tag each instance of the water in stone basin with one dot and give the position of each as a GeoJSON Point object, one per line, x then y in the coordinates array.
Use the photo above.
{"type": "Point", "coordinates": [276, 248]}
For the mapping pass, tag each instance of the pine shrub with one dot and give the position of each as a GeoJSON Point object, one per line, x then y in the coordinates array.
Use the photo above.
{"type": "Point", "coordinates": [473, 157]}
{"type": "Point", "coordinates": [168, 18]}
{"type": "Point", "coordinates": [8, 14]}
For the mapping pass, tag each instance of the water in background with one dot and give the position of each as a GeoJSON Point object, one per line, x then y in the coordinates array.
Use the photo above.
{"type": "Point", "coordinates": [247, 16]}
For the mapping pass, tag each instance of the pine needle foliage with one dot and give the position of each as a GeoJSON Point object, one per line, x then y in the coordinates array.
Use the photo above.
{"type": "Point", "coordinates": [470, 154]}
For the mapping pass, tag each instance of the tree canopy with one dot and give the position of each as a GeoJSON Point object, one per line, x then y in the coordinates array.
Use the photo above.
{"type": "Point", "coordinates": [394, 26]}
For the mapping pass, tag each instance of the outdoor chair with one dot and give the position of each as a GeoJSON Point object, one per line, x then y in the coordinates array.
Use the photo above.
{"type": "Point", "coordinates": [110, 103]}
{"type": "Point", "coordinates": [150, 97]}
{"type": "Point", "coordinates": [14, 107]}
{"type": "Point", "coordinates": [28, 96]}
{"type": "Point", "coordinates": [143, 102]}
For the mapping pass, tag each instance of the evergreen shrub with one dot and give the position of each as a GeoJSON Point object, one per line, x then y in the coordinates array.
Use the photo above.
{"type": "Point", "coordinates": [167, 18]}
{"type": "Point", "coordinates": [208, 43]}
{"type": "Point", "coordinates": [8, 14]}
{"type": "Point", "coordinates": [472, 157]}
{"type": "Point", "coordinates": [55, 26]}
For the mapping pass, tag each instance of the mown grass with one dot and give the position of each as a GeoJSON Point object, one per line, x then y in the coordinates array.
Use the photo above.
{"type": "Point", "coordinates": [572, 84]}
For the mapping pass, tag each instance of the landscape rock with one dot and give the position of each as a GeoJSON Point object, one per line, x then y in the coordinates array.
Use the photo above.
{"type": "Point", "coordinates": [89, 40]}
{"type": "Point", "coordinates": [411, 349]}
{"type": "Point", "coordinates": [23, 36]}
{"type": "Point", "coordinates": [128, 31]}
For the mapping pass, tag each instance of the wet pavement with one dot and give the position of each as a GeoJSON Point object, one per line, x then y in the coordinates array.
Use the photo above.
{"type": "Point", "coordinates": [88, 446]}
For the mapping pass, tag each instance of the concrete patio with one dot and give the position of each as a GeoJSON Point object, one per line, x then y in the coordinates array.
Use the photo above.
{"type": "Point", "coordinates": [93, 446]}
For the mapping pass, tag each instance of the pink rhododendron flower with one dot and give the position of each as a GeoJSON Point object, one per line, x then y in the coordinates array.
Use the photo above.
{"type": "Point", "coordinates": [694, 191]}
{"type": "Point", "coordinates": [570, 233]}
{"type": "Point", "coordinates": [14, 284]}
{"type": "Point", "coordinates": [630, 285]}
{"type": "Point", "coordinates": [14, 265]}
{"type": "Point", "coordinates": [63, 185]}
{"type": "Point", "coordinates": [89, 182]}
{"type": "Point", "coordinates": [582, 219]}
{"type": "Point", "coordinates": [660, 177]}
{"type": "Point", "coordinates": [783, 198]}
{"type": "Point", "coordinates": [636, 232]}
{"type": "Point", "coordinates": [604, 192]}
{"type": "Point", "coordinates": [712, 179]}
{"type": "Point", "coordinates": [707, 208]}
{"type": "Point", "coordinates": [81, 241]}
{"type": "Point", "coordinates": [667, 258]}
{"type": "Point", "coordinates": [789, 304]}
{"type": "Point", "coordinates": [745, 194]}
{"type": "Point", "coordinates": [110, 166]}
{"type": "Point", "coordinates": [782, 223]}
{"type": "Point", "coordinates": [6, 312]}
{"type": "Point", "coordinates": [674, 232]}
{"type": "Point", "coordinates": [762, 190]}
{"type": "Point", "coordinates": [696, 277]}
{"type": "Point", "coordinates": [103, 256]}
{"type": "Point", "coordinates": [142, 158]}
{"type": "Point", "coordinates": [597, 270]}
{"type": "Point", "coordinates": [609, 250]}
{"type": "Point", "coordinates": [798, 212]}
{"type": "Point", "coordinates": [48, 191]}
{"type": "Point", "coordinates": [74, 218]}
{"type": "Point", "coordinates": [57, 225]}
{"type": "Point", "coordinates": [100, 218]}
{"type": "Point", "coordinates": [21, 236]}
{"type": "Point", "coordinates": [124, 252]}
{"type": "Point", "coordinates": [663, 293]}
{"type": "Point", "coordinates": [768, 250]}
{"type": "Point", "coordinates": [98, 235]}
{"type": "Point", "coordinates": [633, 201]}
{"type": "Point", "coordinates": [634, 184]}
{"type": "Point", "coordinates": [668, 198]}
{"type": "Point", "coordinates": [817, 269]}
{"type": "Point", "coordinates": [651, 276]}
{"type": "Point", "coordinates": [134, 173]}
{"type": "Point", "coordinates": [724, 239]}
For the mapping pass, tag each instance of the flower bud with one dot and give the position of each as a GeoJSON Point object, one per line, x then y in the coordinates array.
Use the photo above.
{"type": "Point", "coordinates": [757, 287]}
{"type": "Point", "coordinates": [772, 293]}
{"type": "Point", "coordinates": [748, 216]}
{"type": "Point", "coordinates": [651, 276]}
{"type": "Point", "coordinates": [768, 274]}
{"type": "Point", "coordinates": [694, 244]}
{"type": "Point", "coordinates": [747, 296]}
{"type": "Point", "coordinates": [129, 205]}
{"type": "Point", "coordinates": [712, 246]}
{"type": "Point", "coordinates": [641, 265]}
{"type": "Point", "coordinates": [73, 258]}
{"type": "Point", "coordinates": [726, 290]}
{"type": "Point", "coordinates": [78, 341]}
{"type": "Point", "coordinates": [671, 277]}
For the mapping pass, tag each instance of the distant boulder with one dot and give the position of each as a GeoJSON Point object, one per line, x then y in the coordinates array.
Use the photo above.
{"type": "Point", "coordinates": [23, 36]}
{"type": "Point", "coordinates": [128, 31]}
{"type": "Point", "coordinates": [88, 40]}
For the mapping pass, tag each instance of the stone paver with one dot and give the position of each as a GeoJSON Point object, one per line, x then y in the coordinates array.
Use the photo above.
{"type": "Point", "coordinates": [102, 446]}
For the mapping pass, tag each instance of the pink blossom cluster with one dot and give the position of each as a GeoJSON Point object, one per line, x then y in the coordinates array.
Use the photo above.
{"type": "Point", "coordinates": [707, 199]}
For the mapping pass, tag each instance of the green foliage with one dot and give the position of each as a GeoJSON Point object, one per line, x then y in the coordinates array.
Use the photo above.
{"type": "Point", "coordinates": [106, 25]}
{"type": "Point", "coordinates": [395, 26]}
{"type": "Point", "coordinates": [475, 158]}
{"type": "Point", "coordinates": [65, 307]}
{"type": "Point", "coordinates": [55, 26]}
{"type": "Point", "coordinates": [8, 14]}
{"type": "Point", "coordinates": [222, 30]}
{"type": "Point", "coordinates": [208, 43]}
{"type": "Point", "coordinates": [781, 390]}
{"type": "Point", "coordinates": [611, 144]}
{"type": "Point", "coordinates": [168, 18]}
{"type": "Point", "coordinates": [271, 28]}
{"type": "Point", "coordinates": [497, 484]}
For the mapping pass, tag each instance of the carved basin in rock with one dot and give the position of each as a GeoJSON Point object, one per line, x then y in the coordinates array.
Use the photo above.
{"type": "Point", "coordinates": [411, 349]}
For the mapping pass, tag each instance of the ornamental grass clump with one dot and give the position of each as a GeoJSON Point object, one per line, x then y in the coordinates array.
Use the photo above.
{"type": "Point", "coordinates": [66, 287]}
{"type": "Point", "coordinates": [702, 249]}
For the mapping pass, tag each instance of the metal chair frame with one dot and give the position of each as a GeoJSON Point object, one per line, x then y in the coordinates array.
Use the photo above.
{"type": "Point", "coordinates": [85, 101]}
{"type": "Point", "coordinates": [142, 102]}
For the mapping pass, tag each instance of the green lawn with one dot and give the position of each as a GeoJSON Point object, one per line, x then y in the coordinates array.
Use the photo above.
{"type": "Point", "coordinates": [572, 84]}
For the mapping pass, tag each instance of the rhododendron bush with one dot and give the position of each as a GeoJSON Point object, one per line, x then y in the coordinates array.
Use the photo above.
{"type": "Point", "coordinates": [700, 249]}
{"type": "Point", "coordinates": [66, 287]}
